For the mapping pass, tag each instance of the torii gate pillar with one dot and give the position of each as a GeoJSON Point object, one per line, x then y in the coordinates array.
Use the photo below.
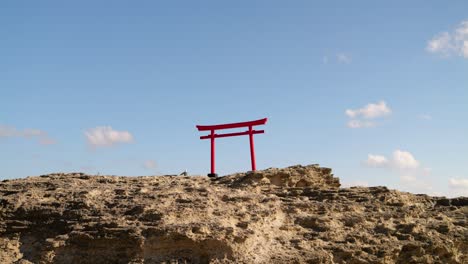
{"type": "Point", "coordinates": [250, 132]}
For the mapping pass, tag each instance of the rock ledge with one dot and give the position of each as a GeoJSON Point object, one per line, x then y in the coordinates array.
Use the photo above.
{"type": "Point", "coordinates": [292, 215]}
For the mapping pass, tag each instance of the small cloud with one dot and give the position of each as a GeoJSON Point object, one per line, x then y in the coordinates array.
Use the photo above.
{"type": "Point", "coordinates": [458, 183]}
{"type": "Point", "coordinates": [451, 43]}
{"type": "Point", "coordinates": [149, 164]}
{"type": "Point", "coordinates": [406, 167]}
{"type": "Point", "coordinates": [415, 184]}
{"type": "Point", "coordinates": [105, 136]}
{"type": "Point", "coordinates": [41, 136]}
{"type": "Point", "coordinates": [465, 49]}
{"type": "Point", "coordinates": [441, 43]}
{"type": "Point", "coordinates": [403, 165]}
{"type": "Point", "coordinates": [404, 160]}
{"type": "Point", "coordinates": [355, 123]}
{"type": "Point", "coordinates": [343, 58]}
{"type": "Point", "coordinates": [458, 187]}
{"type": "Point", "coordinates": [376, 161]}
{"type": "Point", "coordinates": [370, 111]}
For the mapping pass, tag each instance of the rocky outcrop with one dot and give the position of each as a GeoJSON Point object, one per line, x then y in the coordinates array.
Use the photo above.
{"type": "Point", "coordinates": [293, 215]}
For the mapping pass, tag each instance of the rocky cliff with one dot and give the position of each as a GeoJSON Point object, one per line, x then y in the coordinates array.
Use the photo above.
{"type": "Point", "coordinates": [293, 215]}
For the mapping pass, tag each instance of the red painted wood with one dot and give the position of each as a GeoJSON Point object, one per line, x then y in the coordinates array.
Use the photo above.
{"type": "Point", "coordinates": [233, 134]}
{"type": "Point", "coordinates": [212, 152]}
{"type": "Point", "coordinates": [233, 125]}
{"type": "Point", "coordinates": [252, 150]}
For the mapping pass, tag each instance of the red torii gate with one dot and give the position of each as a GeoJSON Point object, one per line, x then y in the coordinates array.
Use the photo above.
{"type": "Point", "coordinates": [249, 132]}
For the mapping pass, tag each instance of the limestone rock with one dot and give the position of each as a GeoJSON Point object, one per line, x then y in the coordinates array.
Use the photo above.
{"type": "Point", "coordinates": [292, 215]}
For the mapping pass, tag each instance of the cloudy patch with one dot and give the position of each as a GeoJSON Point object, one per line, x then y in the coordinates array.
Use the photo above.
{"type": "Point", "coordinates": [370, 111]}
{"type": "Point", "coordinates": [458, 187]}
{"type": "Point", "coordinates": [365, 117]}
{"type": "Point", "coordinates": [106, 136]}
{"type": "Point", "coordinates": [403, 164]}
{"type": "Point", "coordinates": [403, 160]}
{"type": "Point", "coordinates": [376, 161]}
{"type": "Point", "coordinates": [40, 136]}
{"type": "Point", "coordinates": [458, 183]}
{"type": "Point", "coordinates": [355, 123]}
{"type": "Point", "coordinates": [451, 43]}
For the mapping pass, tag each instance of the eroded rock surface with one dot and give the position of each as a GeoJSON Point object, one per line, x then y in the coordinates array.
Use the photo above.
{"type": "Point", "coordinates": [293, 215]}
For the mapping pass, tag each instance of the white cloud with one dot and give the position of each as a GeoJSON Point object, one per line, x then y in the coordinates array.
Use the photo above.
{"type": "Point", "coordinates": [41, 136]}
{"type": "Point", "coordinates": [370, 111]}
{"type": "Point", "coordinates": [149, 164]}
{"type": "Point", "coordinates": [459, 183]}
{"type": "Point", "coordinates": [451, 43]}
{"type": "Point", "coordinates": [343, 58]}
{"type": "Point", "coordinates": [404, 160]}
{"type": "Point", "coordinates": [413, 176]}
{"type": "Point", "coordinates": [465, 49]}
{"type": "Point", "coordinates": [415, 184]}
{"type": "Point", "coordinates": [441, 43]}
{"type": "Point", "coordinates": [458, 187]}
{"type": "Point", "coordinates": [105, 136]}
{"type": "Point", "coordinates": [355, 123]}
{"type": "Point", "coordinates": [376, 161]}
{"type": "Point", "coordinates": [403, 164]}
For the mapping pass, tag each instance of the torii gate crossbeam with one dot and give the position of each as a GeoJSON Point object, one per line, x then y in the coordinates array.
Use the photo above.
{"type": "Point", "coordinates": [250, 132]}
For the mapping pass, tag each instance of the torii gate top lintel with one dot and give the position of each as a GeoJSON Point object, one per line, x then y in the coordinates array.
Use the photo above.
{"type": "Point", "coordinates": [249, 132]}
{"type": "Point", "coordinates": [233, 125]}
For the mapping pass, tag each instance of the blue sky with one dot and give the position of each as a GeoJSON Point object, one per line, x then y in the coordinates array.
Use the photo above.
{"type": "Point", "coordinates": [117, 87]}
